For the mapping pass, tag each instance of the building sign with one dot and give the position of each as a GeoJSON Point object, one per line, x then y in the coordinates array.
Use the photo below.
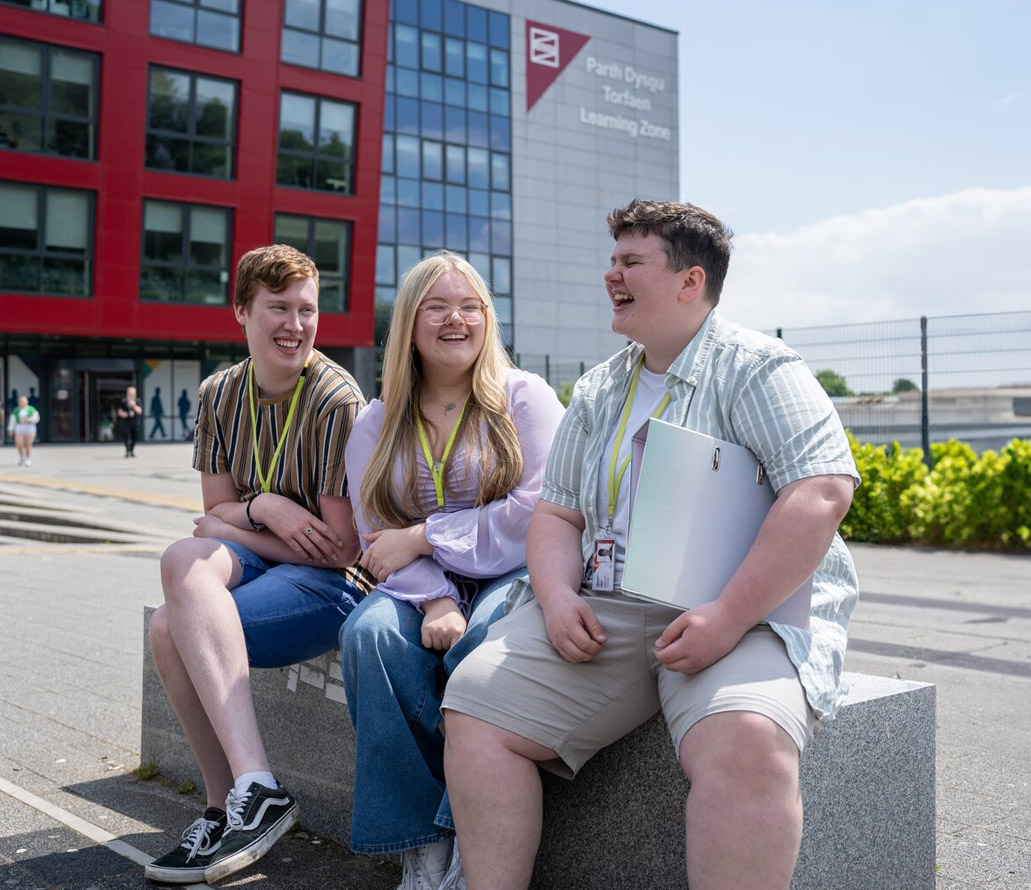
{"type": "Point", "coordinates": [548, 51]}
{"type": "Point", "coordinates": [631, 92]}
{"type": "Point", "coordinates": [626, 95]}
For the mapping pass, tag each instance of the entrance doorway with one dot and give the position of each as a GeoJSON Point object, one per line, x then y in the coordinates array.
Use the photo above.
{"type": "Point", "coordinates": [84, 399]}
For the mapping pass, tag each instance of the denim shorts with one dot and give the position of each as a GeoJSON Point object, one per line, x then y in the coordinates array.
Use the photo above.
{"type": "Point", "coordinates": [289, 613]}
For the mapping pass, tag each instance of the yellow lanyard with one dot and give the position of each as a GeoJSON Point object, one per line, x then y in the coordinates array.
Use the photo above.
{"type": "Point", "coordinates": [616, 477]}
{"type": "Point", "coordinates": [437, 470]}
{"type": "Point", "coordinates": [266, 481]}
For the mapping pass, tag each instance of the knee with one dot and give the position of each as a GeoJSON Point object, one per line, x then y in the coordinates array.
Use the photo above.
{"type": "Point", "coordinates": [186, 556]}
{"type": "Point", "coordinates": [740, 749]}
{"type": "Point", "coordinates": [375, 628]}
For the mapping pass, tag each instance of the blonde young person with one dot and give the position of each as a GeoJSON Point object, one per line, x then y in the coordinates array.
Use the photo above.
{"type": "Point", "coordinates": [446, 470]}
{"type": "Point", "coordinates": [264, 581]}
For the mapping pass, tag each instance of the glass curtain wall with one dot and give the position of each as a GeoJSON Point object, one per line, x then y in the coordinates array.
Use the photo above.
{"type": "Point", "coordinates": [447, 147]}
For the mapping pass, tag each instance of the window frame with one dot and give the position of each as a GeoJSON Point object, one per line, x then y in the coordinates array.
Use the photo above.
{"type": "Point", "coordinates": [195, 6]}
{"type": "Point", "coordinates": [184, 266]}
{"type": "Point", "coordinates": [323, 36]}
{"type": "Point", "coordinates": [97, 4]}
{"type": "Point", "coordinates": [191, 135]}
{"type": "Point", "coordinates": [316, 154]}
{"type": "Point", "coordinates": [345, 276]}
{"type": "Point", "coordinates": [41, 253]}
{"type": "Point", "coordinates": [44, 114]}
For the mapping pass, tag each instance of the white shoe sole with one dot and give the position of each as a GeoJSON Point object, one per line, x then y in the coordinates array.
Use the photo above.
{"type": "Point", "coordinates": [239, 860]}
{"type": "Point", "coordinates": [173, 875]}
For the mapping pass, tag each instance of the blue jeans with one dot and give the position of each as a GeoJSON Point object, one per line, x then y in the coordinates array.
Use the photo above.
{"type": "Point", "coordinates": [289, 613]}
{"type": "Point", "coordinates": [394, 687]}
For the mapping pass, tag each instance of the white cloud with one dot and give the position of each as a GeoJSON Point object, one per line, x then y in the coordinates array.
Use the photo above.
{"type": "Point", "coordinates": [969, 252]}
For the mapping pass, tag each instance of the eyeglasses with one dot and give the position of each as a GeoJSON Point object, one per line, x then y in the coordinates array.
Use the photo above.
{"type": "Point", "coordinates": [440, 313]}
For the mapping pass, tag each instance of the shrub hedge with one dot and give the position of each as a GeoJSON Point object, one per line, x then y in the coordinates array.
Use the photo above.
{"type": "Point", "coordinates": [967, 500]}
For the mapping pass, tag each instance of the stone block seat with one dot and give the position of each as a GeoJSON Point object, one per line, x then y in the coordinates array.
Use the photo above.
{"type": "Point", "coordinates": [868, 785]}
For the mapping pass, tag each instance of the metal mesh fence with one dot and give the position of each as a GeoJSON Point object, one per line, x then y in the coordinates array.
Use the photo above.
{"type": "Point", "coordinates": [914, 381]}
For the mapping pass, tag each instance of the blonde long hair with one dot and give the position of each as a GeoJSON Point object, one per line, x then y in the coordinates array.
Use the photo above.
{"type": "Point", "coordinates": [500, 457]}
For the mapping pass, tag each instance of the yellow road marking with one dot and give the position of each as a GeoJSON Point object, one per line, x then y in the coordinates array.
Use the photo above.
{"type": "Point", "coordinates": [125, 494]}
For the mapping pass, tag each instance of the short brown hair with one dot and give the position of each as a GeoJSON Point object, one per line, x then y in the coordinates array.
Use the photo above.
{"type": "Point", "coordinates": [691, 237]}
{"type": "Point", "coordinates": [274, 268]}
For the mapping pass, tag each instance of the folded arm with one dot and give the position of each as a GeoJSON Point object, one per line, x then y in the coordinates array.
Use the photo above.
{"type": "Point", "coordinates": [332, 542]}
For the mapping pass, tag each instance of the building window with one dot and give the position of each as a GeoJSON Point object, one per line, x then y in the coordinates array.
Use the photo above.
{"type": "Point", "coordinates": [191, 122]}
{"type": "Point", "coordinates": [447, 145]}
{"type": "Point", "coordinates": [323, 34]}
{"type": "Point", "coordinates": [89, 10]}
{"type": "Point", "coordinates": [214, 23]}
{"type": "Point", "coordinates": [316, 143]}
{"type": "Point", "coordinates": [328, 242]}
{"type": "Point", "coordinates": [45, 244]}
{"type": "Point", "coordinates": [48, 99]}
{"type": "Point", "coordinates": [185, 253]}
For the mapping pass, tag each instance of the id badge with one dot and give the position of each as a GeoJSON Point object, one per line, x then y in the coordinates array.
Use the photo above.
{"type": "Point", "coordinates": [603, 564]}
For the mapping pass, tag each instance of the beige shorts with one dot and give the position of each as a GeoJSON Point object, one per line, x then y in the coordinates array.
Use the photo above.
{"type": "Point", "coordinates": [516, 680]}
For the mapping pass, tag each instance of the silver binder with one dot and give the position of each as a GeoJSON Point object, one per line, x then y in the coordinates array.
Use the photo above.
{"type": "Point", "coordinates": [696, 504]}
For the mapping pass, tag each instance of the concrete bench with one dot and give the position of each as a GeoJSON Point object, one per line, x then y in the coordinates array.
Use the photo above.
{"type": "Point", "coordinates": [868, 785]}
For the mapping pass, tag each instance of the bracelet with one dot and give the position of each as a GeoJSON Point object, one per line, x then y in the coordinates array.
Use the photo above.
{"type": "Point", "coordinates": [257, 526]}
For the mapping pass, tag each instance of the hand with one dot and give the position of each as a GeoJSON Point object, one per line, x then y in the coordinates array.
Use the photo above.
{"type": "Point", "coordinates": [290, 522]}
{"type": "Point", "coordinates": [210, 526]}
{"type": "Point", "coordinates": [443, 623]}
{"type": "Point", "coordinates": [697, 639]}
{"type": "Point", "coordinates": [391, 549]}
{"type": "Point", "coordinates": [573, 628]}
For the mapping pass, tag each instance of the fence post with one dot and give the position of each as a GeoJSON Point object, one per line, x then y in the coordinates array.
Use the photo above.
{"type": "Point", "coordinates": [547, 368]}
{"type": "Point", "coordinates": [925, 423]}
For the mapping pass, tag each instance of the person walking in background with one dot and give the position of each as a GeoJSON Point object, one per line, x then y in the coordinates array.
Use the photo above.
{"type": "Point", "coordinates": [157, 410]}
{"type": "Point", "coordinates": [129, 411]}
{"type": "Point", "coordinates": [445, 472]}
{"type": "Point", "coordinates": [24, 419]}
{"type": "Point", "coordinates": [184, 412]}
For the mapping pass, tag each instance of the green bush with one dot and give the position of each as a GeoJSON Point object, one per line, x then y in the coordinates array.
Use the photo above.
{"type": "Point", "coordinates": [967, 500]}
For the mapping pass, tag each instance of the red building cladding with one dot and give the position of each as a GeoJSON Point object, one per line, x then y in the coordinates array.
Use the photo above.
{"type": "Point", "coordinates": [120, 183]}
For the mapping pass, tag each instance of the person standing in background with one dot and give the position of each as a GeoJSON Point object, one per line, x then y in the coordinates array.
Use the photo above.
{"type": "Point", "coordinates": [184, 412]}
{"type": "Point", "coordinates": [157, 410]}
{"type": "Point", "coordinates": [129, 410]}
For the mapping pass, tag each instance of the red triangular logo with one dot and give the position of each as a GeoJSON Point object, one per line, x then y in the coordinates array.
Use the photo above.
{"type": "Point", "coordinates": [548, 51]}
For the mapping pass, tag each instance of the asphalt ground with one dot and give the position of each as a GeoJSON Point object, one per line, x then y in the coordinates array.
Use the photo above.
{"type": "Point", "coordinates": [73, 814]}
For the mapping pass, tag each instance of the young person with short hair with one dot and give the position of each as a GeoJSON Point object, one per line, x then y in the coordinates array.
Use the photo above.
{"type": "Point", "coordinates": [266, 580]}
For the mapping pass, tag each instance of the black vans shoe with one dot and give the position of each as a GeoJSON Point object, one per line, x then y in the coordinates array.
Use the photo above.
{"type": "Point", "coordinates": [187, 862]}
{"type": "Point", "coordinates": [256, 820]}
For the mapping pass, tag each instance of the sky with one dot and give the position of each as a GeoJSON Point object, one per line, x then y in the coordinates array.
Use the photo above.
{"type": "Point", "coordinates": [873, 158]}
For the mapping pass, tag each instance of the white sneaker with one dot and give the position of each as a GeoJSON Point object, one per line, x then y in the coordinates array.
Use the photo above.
{"type": "Point", "coordinates": [424, 867]}
{"type": "Point", "coordinates": [454, 879]}
{"type": "Point", "coordinates": [28, 462]}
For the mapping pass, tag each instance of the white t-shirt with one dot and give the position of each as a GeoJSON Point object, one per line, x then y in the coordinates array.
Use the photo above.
{"type": "Point", "coordinates": [650, 391]}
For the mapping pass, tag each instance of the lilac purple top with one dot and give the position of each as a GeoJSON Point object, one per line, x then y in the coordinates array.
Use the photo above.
{"type": "Point", "coordinates": [468, 541]}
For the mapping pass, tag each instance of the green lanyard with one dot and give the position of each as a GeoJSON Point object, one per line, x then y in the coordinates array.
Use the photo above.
{"type": "Point", "coordinates": [437, 470]}
{"type": "Point", "coordinates": [266, 481]}
{"type": "Point", "coordinates": [616, 477]}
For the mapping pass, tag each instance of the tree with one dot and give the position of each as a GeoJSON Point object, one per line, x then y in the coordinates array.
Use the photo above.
{"type": "Point", "coordinates": [833, 383]}
{"type": "Point", "coordinates": [904, 385]}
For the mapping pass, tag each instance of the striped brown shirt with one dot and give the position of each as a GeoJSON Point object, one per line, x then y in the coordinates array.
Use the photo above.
{"type": "Point", "coordinates": [311, 462]}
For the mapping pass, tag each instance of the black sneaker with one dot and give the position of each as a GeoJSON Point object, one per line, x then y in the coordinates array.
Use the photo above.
{"type": "Point", "coordinates": [186, 863]}
{"type": "Point", "coordinates": [257, 819]}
